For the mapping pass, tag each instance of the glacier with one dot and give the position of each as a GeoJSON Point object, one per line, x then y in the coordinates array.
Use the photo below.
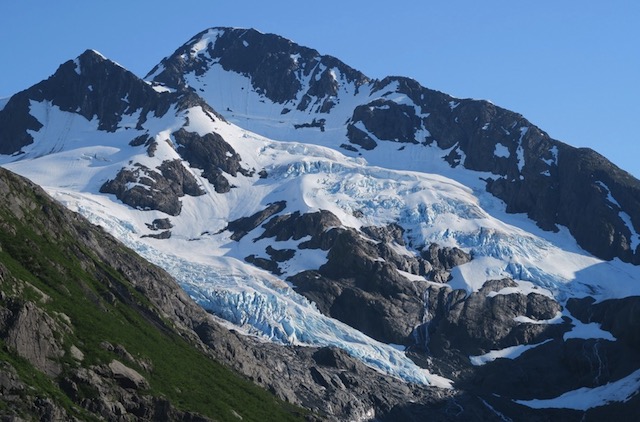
{"type": "Point", "coordinates": [258, 304]}
{"type": "Point", "coordinates": [413, 187]}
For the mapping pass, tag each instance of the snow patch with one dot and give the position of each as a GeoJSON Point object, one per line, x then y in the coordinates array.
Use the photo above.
{"type": "Point", "coordinates": [501, 151]}
{"type": "Point", "coordinates": [507, 353]}
{"type": "Point", "coordinates": [587, 398]}
{"type": "Point", "coordinates": [587, 331]}
{"type": "Point", "coordinates": [162, 88]}
{"type": "Point", "coordinates": [526, 320]}
{"type": "Point", "coordinates": [77, 68]}
{"type": "Point", "coordinates": [634, 240]}
{"type": "Point", "coordinates": [520, 153]}
{"type": "Point", "coordinates": [554, 157]}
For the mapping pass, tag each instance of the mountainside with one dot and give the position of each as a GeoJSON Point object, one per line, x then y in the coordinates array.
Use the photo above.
{"type": "Point", "coordinates": [482, 269]}
{"type": "Point", "coordinates": [274, 87]}
{"type": "Point", "coordinates": [91, 331]}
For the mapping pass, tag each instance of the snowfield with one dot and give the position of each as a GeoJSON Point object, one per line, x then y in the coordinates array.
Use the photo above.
{"type": "Point", "coordinates": [413, 187]}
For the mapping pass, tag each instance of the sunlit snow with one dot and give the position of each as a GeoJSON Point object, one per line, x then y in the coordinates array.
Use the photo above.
{"type": "Point", "coordinates": [588, 398]}
{"type": "Point", "coordinates": [507, 353]}
{"type": "Point", "coordinates": [413, 187]}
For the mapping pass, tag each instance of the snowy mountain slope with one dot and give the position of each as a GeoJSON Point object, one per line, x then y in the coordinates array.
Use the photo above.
{"type": "Point", "coordinates": [284, 91]}
{"type": "Point", "coordinates": [394, 257]}
{"type": "Point", "coordinates": [73, 166]}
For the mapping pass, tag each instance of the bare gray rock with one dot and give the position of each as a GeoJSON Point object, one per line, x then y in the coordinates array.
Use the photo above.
{"type": "Point", "coordinates": [479, 322]}
{"type": "Point", "coordinates": [127, 377]}
{"type": "Point", "coordinates": [31, 334]}
{"type": "Point", "coordinates": [146, 189]}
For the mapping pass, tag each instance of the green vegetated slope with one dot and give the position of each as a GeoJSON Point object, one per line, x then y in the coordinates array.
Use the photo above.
{"type": "Point", "coordinates": [78, 340]}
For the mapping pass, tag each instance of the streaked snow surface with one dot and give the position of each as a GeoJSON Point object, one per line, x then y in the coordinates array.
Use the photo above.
{"type": "Point", "coordinates": [413, 187]}
{"type": "Point", "coordinates": [587, 398]}
{"type": "Point", "coordinates": [508, 352]}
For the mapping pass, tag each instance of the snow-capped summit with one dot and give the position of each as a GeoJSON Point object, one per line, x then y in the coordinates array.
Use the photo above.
{"type": "Point", "coordinates": [442, 241]}
{"type": "Point", "coordinates": [274, 87]}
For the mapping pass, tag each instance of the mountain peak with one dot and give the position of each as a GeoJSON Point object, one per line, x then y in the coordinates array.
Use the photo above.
{"type": "Point", "coordinates": [90, 85]}
{"type": "Point", "coordinates": [91, 53]}
{"type": "Point", "coordinates": [279, 69]}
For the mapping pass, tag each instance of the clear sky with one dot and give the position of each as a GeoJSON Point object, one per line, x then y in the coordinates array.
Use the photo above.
{"type": "Point", "coordinates": [572, 67]}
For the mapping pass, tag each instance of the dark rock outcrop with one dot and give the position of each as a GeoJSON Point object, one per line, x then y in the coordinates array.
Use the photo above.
{"type": "Point", "coordinates": [212, 155]}
{"type": "Point", "coordinates": [145, 189]}
{"type": "Point", "coordinates": [244, 225]}
{"type": "Point", "coordinates": [482, 321]}
{"type": "Point", "coordinates": [556, 366]}
{"type": "Point", "coordinates": [160, 224]}
{"type": "Point", "coordinates": [387, 120]}
{"type": "Point", "coordinates": [621, 317]}
{"type": "Point", "coordinates": [296, 226]}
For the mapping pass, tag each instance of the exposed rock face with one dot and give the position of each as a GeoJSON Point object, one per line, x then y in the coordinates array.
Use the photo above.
{"type": "Point", "coordinates": [31, 333]}
{"type": "Point", "coordinates": [618, 316]}
{"type": "Point", "coordinates": [244, 225]}
{"type": "Point", "coordinates": [160, 224]}
{"type": "Point", "coordinates": [337, 386]}
{"type": "Point", "coordinates": [387, 120]}
{"type": "Point", "coordinates": [143, 188]}
{"type": "Point", "coordinates": [212, 155]}
{"type": "Point", "coordinates": [295, 226]}
{"type": "Point", "coordinates": [127, 377]}
{"type": "Point", "coordinates": [441, 260]}
{"type": "Point", "coordinates": [556, 366]}
{"type": "Point", "coordinates": [486, 320]}
{"type": "Point", "coordinates": [360, 283]}
{"type": "Point", "coordinates": [19, 402]}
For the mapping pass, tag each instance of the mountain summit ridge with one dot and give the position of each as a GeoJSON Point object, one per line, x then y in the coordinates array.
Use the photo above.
{"type": "Point", "coordinates": [522, 159]}
{"type": "Point", "coordinates": [372, 216]}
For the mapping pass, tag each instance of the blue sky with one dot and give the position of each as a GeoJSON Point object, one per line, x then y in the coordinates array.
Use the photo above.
{"type": "Point", "coordinates": [571, 67]}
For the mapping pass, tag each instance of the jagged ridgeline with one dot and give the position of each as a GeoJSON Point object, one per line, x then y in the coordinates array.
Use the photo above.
{"type": "Point", "coordinates": [90, 331]}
